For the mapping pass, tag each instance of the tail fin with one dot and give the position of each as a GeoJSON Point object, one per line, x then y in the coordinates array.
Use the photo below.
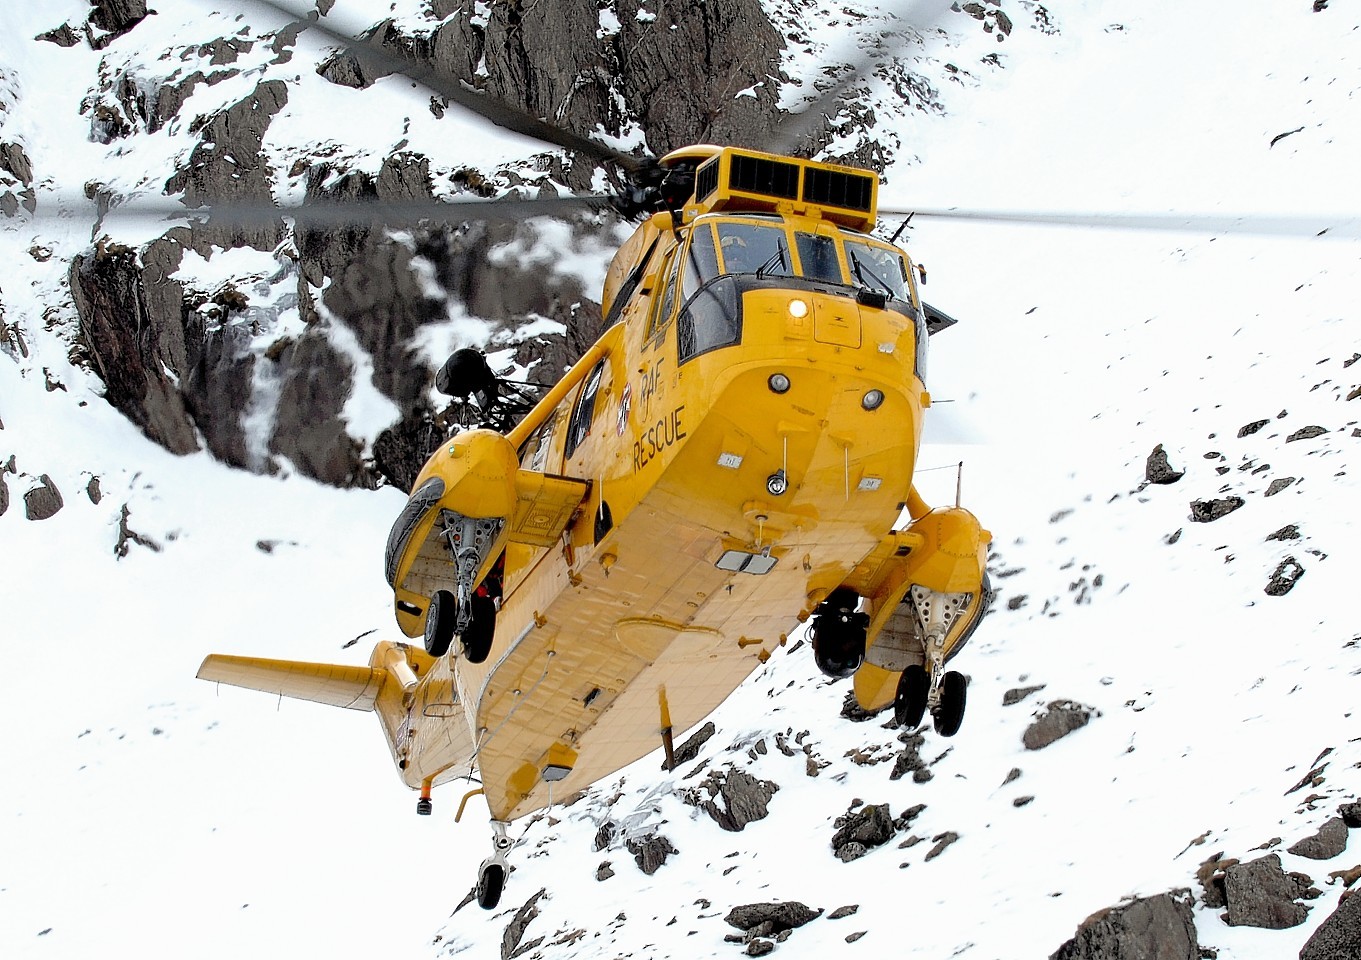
{"type": "Point", "coordinates": [354, 688]}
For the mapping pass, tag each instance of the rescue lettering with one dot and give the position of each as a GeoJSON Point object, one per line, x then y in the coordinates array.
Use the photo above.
{"type": "Point", "coordinates": [657, 438]}
{"type": "Point", "coordinates": [650, 387]}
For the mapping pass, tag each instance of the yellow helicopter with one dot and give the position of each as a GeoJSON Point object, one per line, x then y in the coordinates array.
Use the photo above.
{"type": "Point", "coordinates": [733, 457]}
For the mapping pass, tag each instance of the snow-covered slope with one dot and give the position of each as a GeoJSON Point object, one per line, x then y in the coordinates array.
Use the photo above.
{"type": "Point", "coordinates": [144, 811]}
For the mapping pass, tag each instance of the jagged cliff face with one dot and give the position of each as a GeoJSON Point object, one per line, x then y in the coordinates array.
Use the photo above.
{"type": "Point", "coordinates": [259, 369]}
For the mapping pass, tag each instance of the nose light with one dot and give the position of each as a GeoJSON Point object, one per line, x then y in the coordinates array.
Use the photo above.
{"type": "Point", "coordinates": [777, 483]}
{"type": "Point", "coordinates": [872, 400]}
{"type": "Point", "coordinates": [778, 383]}
{"type": "Point", "coordinates": [798, 309]}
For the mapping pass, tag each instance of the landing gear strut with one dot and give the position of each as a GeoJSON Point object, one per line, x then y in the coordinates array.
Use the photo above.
{"type": "Point", "coordinates": [930, 685]}
{"type": "Point", "coordinates": [491, 875]}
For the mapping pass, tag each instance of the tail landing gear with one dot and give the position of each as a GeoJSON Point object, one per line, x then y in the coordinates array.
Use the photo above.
{"type": "Point", "coordinates": [491, 875]}
{"type": "Point", "coordinates": [838, 633]}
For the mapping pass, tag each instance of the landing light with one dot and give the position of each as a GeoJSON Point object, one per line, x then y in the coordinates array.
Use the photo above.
{"type": "Point", "coordinates": [778, 382]}
{"type": "Point", "coordinates": [777, 483]}
{"type": "Point", "coordinates": [872, 400]}
{"type": "Point", "coordinates": [798, 309]}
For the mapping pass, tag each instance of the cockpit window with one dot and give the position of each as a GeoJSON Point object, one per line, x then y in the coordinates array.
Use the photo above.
{"type": "Point", "coordinates": [754, 248]}
{"type": "Point", "coordinates": [817, 256]}
{"type": "Point", "coordinates": [878, 268]}
{"type": "Point", "coordinates": [701, 260]}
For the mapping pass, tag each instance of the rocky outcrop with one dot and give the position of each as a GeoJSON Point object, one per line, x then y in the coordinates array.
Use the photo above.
{"type": "Point", "coordinates": [1207, 511]}
{"type": "Point", "coordinates": [1328, 842]}
{"type": "Point", "coordinates": [770, 917]}
{"type": "Point", "coordinates": [515, 930]}
{"type": "Point", "coordinates": [650, 852]}
{"type": "Point", "coordinates": [1284, 577]}
{"type": "Point", "coordinates": [1150, 928]}
{"type": "Point", "coordinates": [745, 798]}
{"type": "Point", "coordinates": [1338, 937]}
{"type": "Point", "coordinates": [858, 831]}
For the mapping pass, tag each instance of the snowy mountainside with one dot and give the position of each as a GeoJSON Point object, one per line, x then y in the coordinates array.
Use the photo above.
{"type": "Point", "coordinates": [146, 810]}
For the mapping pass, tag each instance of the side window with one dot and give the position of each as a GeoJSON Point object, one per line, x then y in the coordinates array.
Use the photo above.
{"type": "Point", "coordinates": [534, 453]}
{"type": "Point", "coordinates": [661, 313]}
{"type": "Point", "coordinates": [701, 261]}
{"type": "Point", "coordinates": [580, 427]}
{"type": "Point", "coordinates": [878, 268]}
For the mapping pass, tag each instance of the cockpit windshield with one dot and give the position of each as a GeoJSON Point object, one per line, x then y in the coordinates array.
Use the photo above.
{"type": "Point", "coordinates": [772, 249]}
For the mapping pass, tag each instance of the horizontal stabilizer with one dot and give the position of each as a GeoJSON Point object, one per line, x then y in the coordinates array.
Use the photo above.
{"type": "Point", "coordinates": [355, 688]}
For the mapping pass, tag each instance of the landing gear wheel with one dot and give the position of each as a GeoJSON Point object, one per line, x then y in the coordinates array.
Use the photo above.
{"type": "Point", "coordinates": [949, 713]}
{"type": "Point", "coordinates": [440, 618]}
{"type": "Point", "coordinates": [481, 628]}
{"type": "Point", "coordinates": [490, 882]}
{"type": "Point", "coordinates": [839, 634]}
{"type": "Point", "coordinates": [909, 704]}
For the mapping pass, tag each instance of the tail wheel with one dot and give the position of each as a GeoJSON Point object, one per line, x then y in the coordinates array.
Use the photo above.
{"type": "Point", "coordinates": [839, 634]}
{"type": "Point", "coordinates": [909, 704]}
{"type": "Point", "coordinates": [490, 882]}
{"type": "Point", "coordinates": [481, 629]}
{"type": "Point", "coordinates": [953, 695]}
{"type": "Point", "coordinates": [440, 618]}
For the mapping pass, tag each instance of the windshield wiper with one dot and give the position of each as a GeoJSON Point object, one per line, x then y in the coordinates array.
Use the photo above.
{"type": "Point", "coordinates": [861, 270]}
{"type": "Point", "coordinates": [776, 258]}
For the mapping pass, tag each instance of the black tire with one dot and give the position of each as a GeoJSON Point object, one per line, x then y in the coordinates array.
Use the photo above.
{"type": "Point", "coordinates": [440, 618]}
{"type": "Point", "coordinates": [490, 882]}
{"type": "Point", "coordinates": [481, 629]}
{"type": "Point", "coordinates": [839, 634]}
{"type": "Point", "coordinates": [909, 704]}
{"type": "Point", "coordinates": [954, 688]}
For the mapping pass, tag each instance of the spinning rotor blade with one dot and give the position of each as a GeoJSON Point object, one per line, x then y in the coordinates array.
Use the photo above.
{"type": "Point", "coordinates": [318, 214]}
{"type": "Point", "coordinates": [445, 85]}
{"type": "Point", "coordinates": [1338, 225]}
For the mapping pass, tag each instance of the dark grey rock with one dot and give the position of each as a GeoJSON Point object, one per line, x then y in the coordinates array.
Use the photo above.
{"type": "Point", "coordinates": [604, 871]}
{"type": "Point", "coordinates": [92, 491]}
{"type": "Point", "coordinates": [605, 835]}
{"type": "Point", "coordinates": [1059, 718]}
{"type": "Point", "coordinates": [1350, 814]}
{"type": "Point", "coordinates": [1261, 894]}
{"type": "Point", "coordinates": [4, 495]}
{"type": "Point", "coordinates": [1277, 485]}
{"type": "Point", "coordinates": [1284, 577]}
{"type": "Point", "coordinates": [1017, 694]}
{"type": "Point", "coordinates": [745, 798]}
{"type": "Point", "coordinates": [62, 36]}
{"type": "Point", "coordinates": [14, 160]}
{"type": "Point", "coordinates": [1157, 469]}
{"type": "Point", "coordinates": [909, 759]}
{"type": "Point", "coordinates": [127, 535]}
{"type": "Point", "coordinates": [1328, 842]}
{"type": "Point", "coordinates": [688, 750]}
{"type": "Point", "coordinates": [515, 930]}
{"type": "Point", "coordinates": [1250, 428]}
{"type": "Point", "coordinates": [111, 19]}
{"type": "Point", "coordinates": [870, 826]}
{"type": "Point", "coordinates": [1206, 511]}
{"type": "Point", "coordinates": [942, 840]}
{"type": "Point", "coordinates": [852, 850]}
{"type": "Point", "coordinates": [1288, 532]}
{"type": "Point", "coordinates": [1306, 433]}
{"type": "Point", "coordinates": [43, 501]}
{"type": "Point", "coordinates": [651, 852]}
{"type": "Point", "coordinates": [1150, 928]}
{"type": "Point", "coordinates": [1338, 937]}
{"type": "Point", "coordinates": [786, 915]}
{"type": "Point", "coordinates": [846, 911]}
{"type": "Point", "coordinates": [759, 947]}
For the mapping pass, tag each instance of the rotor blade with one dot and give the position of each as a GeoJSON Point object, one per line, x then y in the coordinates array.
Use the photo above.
{"type": "Point", "coordinates": [446, 85]}
{"type": "Point", "coordinates": [319, 214]}
{"type": "Point", "coordinates": [791, 131]}
{"type": "Point", "coordinates": [1339, 225]}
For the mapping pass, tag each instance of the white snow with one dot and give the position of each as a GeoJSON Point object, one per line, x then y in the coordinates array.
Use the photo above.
{"type": "Point", "coordinates": [145, 811]}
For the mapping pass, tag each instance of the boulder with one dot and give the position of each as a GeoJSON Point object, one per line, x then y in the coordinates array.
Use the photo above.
{"type": "Point", "coordinates": [1261, 894]}
{"type": "Point", "coordinates": [785, 915]}
{"type": "Point", "coordinates": [1150, 928]}
{"type": "Point", "coordinates": [43, 501]}
{"type": "Point", "coordinates": [1338, 937]}
{"type": "Point", "coordinates": [1284, 577]}
{"type": "Point", "coordinates": [744, 798]}
{"type": "Point", "coordinates": [1207, 511]}
{"type": "Point", "coordinates": [651, 852]}
{"type": "Point", "coordinates": [1328, 842]}
{"type": "Point", "coordinates": [1158, 470]}
{"type": "Point", "coordinates": [1058, 719]}
{"type": "Point", "coordinates": [867, 827]}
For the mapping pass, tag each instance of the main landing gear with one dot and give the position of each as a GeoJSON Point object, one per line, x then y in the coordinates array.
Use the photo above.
{"type": "Point", "coordinates": [838, 633]}
{"type": "Point", "coordinates": [930, 685]}
{"type": "Point", "coordinates": [442, 624]}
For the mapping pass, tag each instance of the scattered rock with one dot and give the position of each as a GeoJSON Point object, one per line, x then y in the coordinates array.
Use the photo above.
{"type": "Point", "coordinates": [1017, 694]}
{"type": "Point", "coordinates": [606, 835]}
{"type": "Point", "coordinates": [1206, 511]}
{"type": "Point", "coordinates": [852, 937]}
{"type": "Point", "coordinates": [1211, 878]}
{"type": "Point", "coordinates": [1261, 894]}
{"type": "Point", "coordinates": [1288, 532]}
{"type": "Point", "coordinates": [604, 871]}
{"type": "Point", "coordinates": [1250, 428]}
{"type": "Point", "coordinates": [1150, 928]}
{"type": "Point", "coordinates": [1350, 814]}
{"type": "Point", "coordinates": [4, 494]}
{"type": "Point", "coordinates": [846, 911]}
{"type": "Point", "coordinates": [759, 947]}
{"type": "Point", "coordinates": [651, 852]}
{"type": "Point", "coordinates": [781, 916]}
{"type": "Point", "coordinates": [910, 759]}
{"type": "Point", "coordinates": [1284, 577]}
{"type": "Point", "coordinates": [942, 840]}
{"type": "Point", "coordinates": [43, 501]}
{"type": "Point", "coordinates": [127, 535]}
{"type": "Point", "coordinates": [860, 830]}
{"type": "Point", "coordinates": [93, 492]}
{"type": "Point", "coordinates": [1059, 718]}
{"type": "Point", "coordinates": [1277, 485]}
{"type": "Point", "coordinates": [1306, 433]}
{"type": "Point", "coordinates": [1157, 469]}
{"type": "Point", "coordinates": [745, 798]}
{"type": "Point", "coordinates": [62, 36]}
{"type": "Point", "coordinates": [1023, 801]}
{"type": "Point", "coordinates": [1328, 842]}
{"type": "Point", "coordinates": [688, 750]}
{"type": "Point", "coordinates": [1338, 937]}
